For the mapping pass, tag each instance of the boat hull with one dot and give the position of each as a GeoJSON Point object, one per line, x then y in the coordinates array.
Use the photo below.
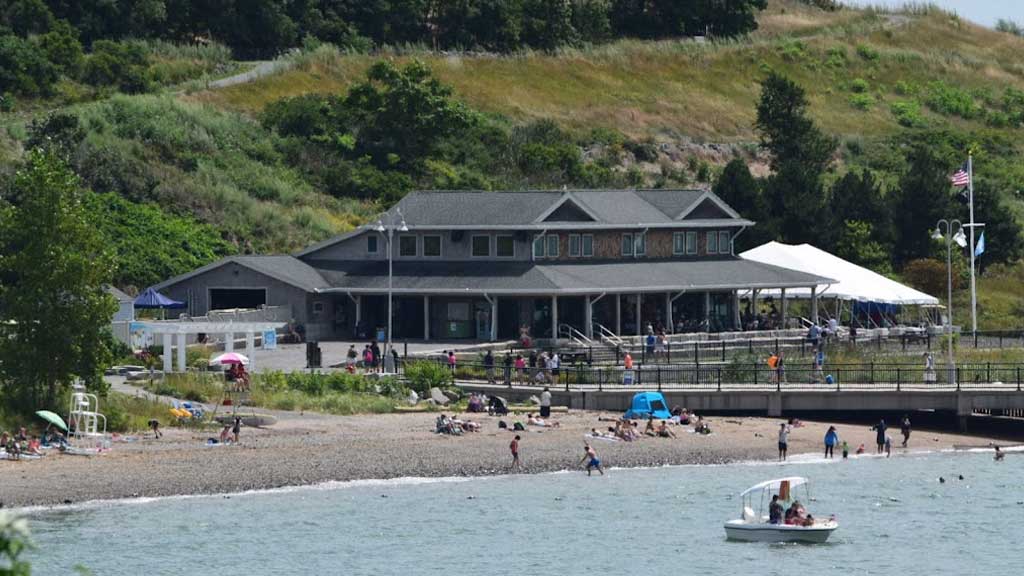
{"type": "Point", "coordinates": [761, 532]}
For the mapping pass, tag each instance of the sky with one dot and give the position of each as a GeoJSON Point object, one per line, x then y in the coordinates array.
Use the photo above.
{"type": "Point", "coordinates": [984, 12]}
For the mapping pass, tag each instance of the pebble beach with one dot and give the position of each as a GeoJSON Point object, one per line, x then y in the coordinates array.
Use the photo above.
{"type": "Point", "coordinates": [304, 449]}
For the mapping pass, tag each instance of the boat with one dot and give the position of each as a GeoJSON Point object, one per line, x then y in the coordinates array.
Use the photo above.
{"type": "Point", "coordinates": [751, 527]}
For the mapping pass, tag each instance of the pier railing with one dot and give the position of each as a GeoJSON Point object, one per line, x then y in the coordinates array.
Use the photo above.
{"type": "Point", "coordinates": [755, 376]}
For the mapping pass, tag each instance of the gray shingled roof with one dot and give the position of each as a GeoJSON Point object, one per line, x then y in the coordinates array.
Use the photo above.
{"type": "Point", "coordinates": [526, 277]}
{"type": "Point", "coordinates": [454, 208]}
{"type": "Point", "coordinates": [287, 269]}
{"type": "Point", "coordinates": [119, 295]}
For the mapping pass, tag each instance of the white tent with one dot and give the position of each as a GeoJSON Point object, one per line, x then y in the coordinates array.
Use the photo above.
{"type": "Point", "coordinates": [854, 282]}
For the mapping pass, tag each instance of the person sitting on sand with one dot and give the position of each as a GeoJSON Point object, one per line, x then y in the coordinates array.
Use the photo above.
{"type": "Point", "coordinates": [701, 427]}
{"type": "Point", "coordinates": [664, 431]}
{"type": "Point", "coordinates": [860, 449]}
{"type": "Point", "coordinates": [538, 421]}
{"type": "Point", "coordinates": [649, 429]}
{"type": "Point", "coordinates": [225, 434]}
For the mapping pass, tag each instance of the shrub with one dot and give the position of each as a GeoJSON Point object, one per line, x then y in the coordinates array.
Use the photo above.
{"type": "Point", "coordinates": [120, 65]}
{"type": "Point", "coordinates": [24, 68]}
{"type": "Point", "coordinates": [861, 101]}
{"type": "Point", "coordinates": [905, 88]}
{"type": "Point", "coordinates": [422, 375]}
{"type": "Point", "coordinates": [792, 50]}
{"type": "Point", "coordinates": [908, 113]}
{"type": "Point", "coordinates": [951, 100]}
{"type": "Point", "coordinates": [867, 52]}
{"type": "Point", "coordinates": [643, 151]}
{"type": "Point", "coordinates": [836, 57]}
{"type": "Point", "coordinates": [859, 86]}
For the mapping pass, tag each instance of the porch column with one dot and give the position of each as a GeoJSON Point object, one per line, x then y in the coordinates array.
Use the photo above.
{"type": "Point", "coordinates": [737, 323]}
{"type": "Point", "coordinates": [250, 349]}
{"type": "Point", "coordinates": [588, 317]}
{"type": "Point", "coordinates": [639, 322]}
{"type": "Point", "coordinates": [814, 304]}
{"type": "Point", "coordinates": [494, 319]}
{"type": "Point", "coordinates": [669, 324]}
{"type": "Point", "coordinates": [785, 308]}
{"type": "Point", "coordinates": [618, 314]}
{"type": "Point", "coordinates": [168, 350]}
{"type": "Point", "coordinates": [181, 352]}
{"type": "Point", "coordinates": [753, 302]}
{"type": "Point", "coordinates": [229, 342]}
{"type": "Point", "coordinates": [707, 311]}
{"type": "Point", "coordinates": [554, 317]}
{"type": "Point", "coordinates": [359, 308]}
{"type": "Point", "coordinates": [426, 317]}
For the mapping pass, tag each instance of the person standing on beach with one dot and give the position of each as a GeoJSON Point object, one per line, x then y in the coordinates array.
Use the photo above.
{"type": "Point", "coordinates": [831, 439]}
{"type": "Point", "coordinates": [590, 457]}
{"type": "Point", "coordinates": [880, 429]}
{"type": "Point", "coordinates": [513, 447]}
{"type": "Point", "coordinates": [846, 450]}
{"type": "Point", "coordinates": [905, 429]}
{"type": "Point", "coordinates": [888, 446]}
{"type": "Point", "coordinates": [236, 428]}
{"type": "Point", "coordinates": [545, 403]}
{"type": "Point", "coordinates": [783, 441]}
{"type": "Point", "coordinates": [507, 368]}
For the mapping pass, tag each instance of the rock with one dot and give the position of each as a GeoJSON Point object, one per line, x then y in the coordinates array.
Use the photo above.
{"type": "Point", "coordinates": [533, 400]}
{"type": "Point", "coordinates": [452, 395]}
{"type": "Point", "coordinates": [437, 396]}
{"type": "Point", "coordinates": [413, 398]}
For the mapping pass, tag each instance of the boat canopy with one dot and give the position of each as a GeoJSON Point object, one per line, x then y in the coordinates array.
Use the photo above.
{"type": "Point", "coordinates": [774, 485]}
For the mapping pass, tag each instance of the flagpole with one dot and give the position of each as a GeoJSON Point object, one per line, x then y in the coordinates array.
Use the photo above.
{"type": "Point", "coordinates": [970, 202]}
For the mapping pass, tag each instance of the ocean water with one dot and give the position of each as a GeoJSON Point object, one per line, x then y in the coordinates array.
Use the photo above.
{"type": "Point", "coordinates": [895, 518]}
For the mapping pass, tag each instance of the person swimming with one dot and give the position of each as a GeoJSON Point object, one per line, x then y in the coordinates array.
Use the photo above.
{"type": "Point", "coordinates": [999, 454]}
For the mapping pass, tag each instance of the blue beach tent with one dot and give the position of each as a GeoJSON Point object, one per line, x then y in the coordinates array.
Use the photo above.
{"type": "Point", "coordinates": [647, 404]}
{"type": "Point", "coordinates": [155, 300]}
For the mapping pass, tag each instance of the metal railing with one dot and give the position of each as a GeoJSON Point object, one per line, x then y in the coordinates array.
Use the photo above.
{"type": "Point", "coordinates": [755, 376]}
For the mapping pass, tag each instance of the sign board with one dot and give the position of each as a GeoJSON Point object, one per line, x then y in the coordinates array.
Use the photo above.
{"type": "Point", "coordinates": [270, 340]}
{"type": "Point", "coordinates": [627, 377]}
{"type": "Point", "coordinates": [139, 336]}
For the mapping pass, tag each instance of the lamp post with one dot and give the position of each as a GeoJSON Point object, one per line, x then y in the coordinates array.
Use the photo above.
{"type": "Point", "coordinates": [394, 221]}
{"type": "Point", "coordinates": [961, 241]}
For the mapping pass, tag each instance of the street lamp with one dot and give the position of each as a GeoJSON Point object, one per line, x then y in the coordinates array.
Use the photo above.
{"type": "Point", "coordinates": [394, 221]}
{"type": "Point", "coordinates": [961, 241]}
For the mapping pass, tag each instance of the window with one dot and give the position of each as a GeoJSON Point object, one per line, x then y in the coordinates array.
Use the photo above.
{"type": "Point", "coordinates": [574, 245]}
{"type": "Point", "coordinates": [712, 241]}
{"type": "Point", "coordinates": [318, 308]}
{"type": "Point", "coordinates": [407, 246]}
{"type": "Point", "coordinates": [538, 247]}
{"type": "Point", "coordinates": [371, 243]}
{"type": "Point", "coordinates": [432, 246]}
{"type": "Point", "coordinates": [724, 243]}
{"type": "Point", "coordinates": [505, 246]}
{"type": "Point", "coordinates": [678, 243]}
{"type": "Point", "coordinates": [553, 246]}
{"type": "Point", "coordinates": [691, 242]}
{"type": "Point", "coordinates": [588, 245]}
{"type": "Point", "coordinates": [627, 244]}
{"type": "Point", "coordinates": [640, 244]}
{"type": "Point", "coordinates": [481, 246]}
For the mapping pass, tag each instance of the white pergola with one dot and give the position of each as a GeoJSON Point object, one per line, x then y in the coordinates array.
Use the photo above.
{"type": "Point", "coordinates": [180, 331]}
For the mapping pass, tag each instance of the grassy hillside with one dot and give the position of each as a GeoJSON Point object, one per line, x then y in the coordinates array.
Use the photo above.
{"type": "Point", "coordinates": [854, 64]}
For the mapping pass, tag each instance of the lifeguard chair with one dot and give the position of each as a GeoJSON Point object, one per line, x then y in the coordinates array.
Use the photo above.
{"type": "Point", "coordinates": [84, 415]}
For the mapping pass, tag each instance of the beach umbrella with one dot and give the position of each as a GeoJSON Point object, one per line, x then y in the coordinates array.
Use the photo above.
{"type": "Point", "coordinates": [153, 300]}
{"type": "Point", "coordinates": [229, 358]}
{"type": "Point", "coordinates": [53, 418]}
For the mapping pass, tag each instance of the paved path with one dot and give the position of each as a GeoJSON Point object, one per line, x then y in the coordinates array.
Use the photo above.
{"type": "Point", "coordinates": [261, 69]}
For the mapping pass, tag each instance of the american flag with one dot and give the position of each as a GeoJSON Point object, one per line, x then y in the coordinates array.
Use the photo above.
{"type": "Point", "coordinates": [961, 177]}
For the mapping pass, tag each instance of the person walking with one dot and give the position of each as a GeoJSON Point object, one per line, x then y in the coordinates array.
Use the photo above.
{"type": "Point", "coordinates": [929, 368]}
{"type": "Point", "coordinates": [905, 429]}
{"type": "Point", "coordinates": [555, 363]}
{"type": "Point", "coordinates": [880, 429]}
{"type": "Point", "coordinates": [451, 361]}
{"type": "Point", "coordinates": [507, 368]}
{"type": "Point", "coordinates": [783, 441]}
{"type": "Point", "coordinates": [545, 403]}
{"type": "Point", "coordinates": [590, 457]}
{"type": "Point", "coordinates": [513, 447]}
{"type": "Point", "coordinates": [377, 359]}
{"type": "Point", "coordinates": [489, 366]}
{"type": "Point", "coordinates": [831, 439]}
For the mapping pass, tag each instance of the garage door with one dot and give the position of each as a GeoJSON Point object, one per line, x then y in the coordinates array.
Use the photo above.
{"type": "Point", "coordinates": [230, 298]}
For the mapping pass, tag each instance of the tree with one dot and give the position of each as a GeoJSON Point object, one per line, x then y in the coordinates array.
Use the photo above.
{"type": "Point", "coordinates": [25, 17]}
{"type": "Point", "coordinates": [24, 69]}
{"type": "Point", "coordinates": [920, 201]}
{"type": "Point", "coordinates": [547, 24]}
{"type": "Point", "coordinates": [800, 153]}
{"type": "Point", "coordinates": [855, 243]}
{"type": "Point", "coordinates": [739, 189]}
{"type": "Point", "coordinates": [400, 116]}
{"type": "Point", "coordinates": [857, 197]}
{"type": "Point", "coordinates": [1003, 242]}
{"type": "Point", "coordinates": [62, 48]}
{"type": "Point", "coordinates": [54, 264]}
{"type": "Point", "coordinates": [590, 20]}
{"type": "Point", "coordinates": [120, 64]}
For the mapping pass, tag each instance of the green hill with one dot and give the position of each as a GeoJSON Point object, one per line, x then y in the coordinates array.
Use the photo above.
{"type": "Point", "coordinates": [623, 113]}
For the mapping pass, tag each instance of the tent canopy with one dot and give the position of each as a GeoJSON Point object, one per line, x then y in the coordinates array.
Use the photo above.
{"type": "Point", "coordinates": [646, 404]}
{"type": "Point", "coordinates": [153, 299]}
{"type": "Point", "coordinates": [853, 282]}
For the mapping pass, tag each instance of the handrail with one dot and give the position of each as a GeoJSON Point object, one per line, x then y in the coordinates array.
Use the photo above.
{"type": "Point", "coordinates": [574, 335]}
{"type": "Point", "coordinates": [607, 336]}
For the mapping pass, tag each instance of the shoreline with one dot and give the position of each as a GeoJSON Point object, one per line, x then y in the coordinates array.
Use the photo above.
{"type": "Point", "coordinates": [314, 451]}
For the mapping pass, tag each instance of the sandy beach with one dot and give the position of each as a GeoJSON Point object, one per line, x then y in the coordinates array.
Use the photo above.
{"type": "Point", "coordinates": [311, 448]}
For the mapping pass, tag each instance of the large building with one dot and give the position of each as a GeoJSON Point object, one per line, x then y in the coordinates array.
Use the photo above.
{"type": "Point", "coordinates": [481, 265]}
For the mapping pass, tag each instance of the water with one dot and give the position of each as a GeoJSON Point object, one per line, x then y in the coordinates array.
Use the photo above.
{"type": "Point", "coordinates": [895, 517]}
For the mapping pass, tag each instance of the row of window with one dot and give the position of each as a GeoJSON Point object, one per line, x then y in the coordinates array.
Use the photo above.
{"type": "Point", "coordinates": [715, 243]}
{"type": "Point", "coordinates": [429, 245]}
{"type": "Point", "coordinates": [546, 246]}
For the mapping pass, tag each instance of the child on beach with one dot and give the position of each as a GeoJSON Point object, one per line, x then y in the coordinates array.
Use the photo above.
{"type": "Point", "coordinates": [888, 446]}
{"type": "Point", "coordinates": [513, 447]}
{"type": "Point", "coordinates": [846, 450]}
{"type": "Point", "coordinates": [590, 457]}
